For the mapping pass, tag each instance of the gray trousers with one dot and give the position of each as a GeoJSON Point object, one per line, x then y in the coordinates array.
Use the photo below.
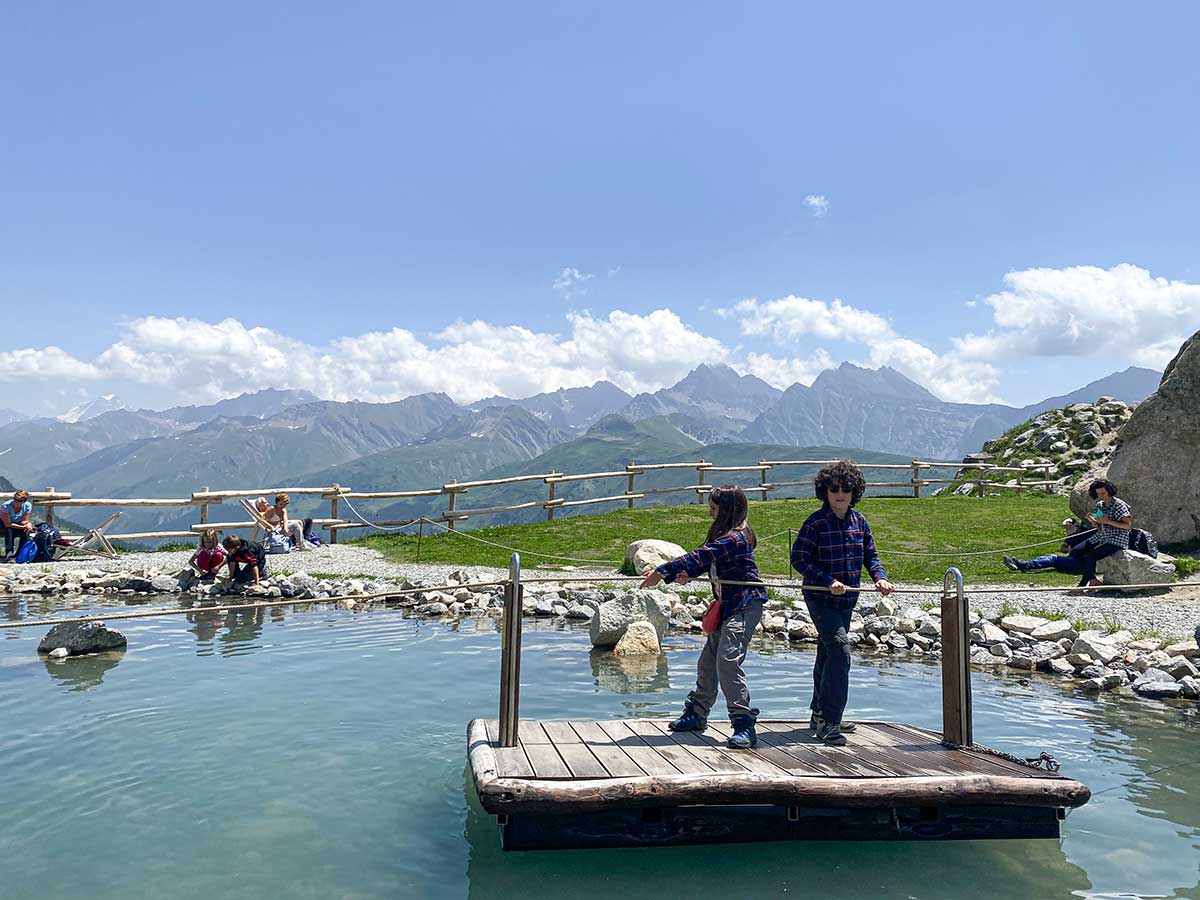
{"type": "Point", "coordinates": [721, 664]}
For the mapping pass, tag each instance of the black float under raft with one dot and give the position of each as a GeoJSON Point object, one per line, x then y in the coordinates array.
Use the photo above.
{"type": "Point", "coordinates": [633, 782]}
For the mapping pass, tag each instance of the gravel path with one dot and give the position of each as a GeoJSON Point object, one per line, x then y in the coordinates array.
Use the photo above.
{"type": "Point", "coordinates": [1174, 613]}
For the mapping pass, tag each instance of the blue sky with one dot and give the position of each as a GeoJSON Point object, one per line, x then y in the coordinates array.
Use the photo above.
{"type": "Point", "coordinates": [364, 199]}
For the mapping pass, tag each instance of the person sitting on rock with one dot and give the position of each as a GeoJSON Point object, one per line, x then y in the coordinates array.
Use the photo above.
{"type": "Point", "coordinates": [277, 517]}
{"type": "Point", "coordinates": [728, 555]}
{"type": "Point", "coordinates": [15, 515]}
{"type": "Point", "coordinates": [831, 549]}
{"type": "Point", "coordinates": [247, 561]}
{"type": "Point", "coordinates": [1070, 556]}
{"type": "Point", "coordinates": [1113, 520]}
{"type": "Point", "coordinates": [207, 561]}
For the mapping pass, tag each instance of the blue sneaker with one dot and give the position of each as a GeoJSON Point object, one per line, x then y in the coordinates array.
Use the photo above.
{"type": "Point", "coordinates": [689, 721]}
{"type": "Point", "coordinates": [743, 737]}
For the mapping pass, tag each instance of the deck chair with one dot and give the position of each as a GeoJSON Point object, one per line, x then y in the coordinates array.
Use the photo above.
{"type": "Point", "coordinates": [257, 518]}
{"type": "Point", "coordinates": [94, 543]}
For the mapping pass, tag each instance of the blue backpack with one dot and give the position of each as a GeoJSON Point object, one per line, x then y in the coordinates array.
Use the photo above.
{"type": "Point", "coordinates": [27, 552]}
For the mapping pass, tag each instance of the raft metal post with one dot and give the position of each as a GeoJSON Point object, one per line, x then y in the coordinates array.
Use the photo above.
{"type": "Point", "coordinates": [956, 662]}
{"type": "Point", "coordinates": [510, 655]}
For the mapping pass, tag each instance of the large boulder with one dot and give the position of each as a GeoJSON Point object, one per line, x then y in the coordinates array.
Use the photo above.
{"type": "Point", "coordinates": [1154, 465]}
{"type": "Point", "coordinates": [650, 554]}
{"type": "Point", "coordinates": [640, 638]}
{"type": "Point", "coordinates": [1131, 567]}
{"type": "Point", "coordinates": [81, 637]}
{"type": "Point", "coordinates": [614, 617]}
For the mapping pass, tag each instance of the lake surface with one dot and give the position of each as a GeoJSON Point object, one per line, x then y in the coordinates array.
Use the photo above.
{"type": "Point", "coordinates": [321, 754]}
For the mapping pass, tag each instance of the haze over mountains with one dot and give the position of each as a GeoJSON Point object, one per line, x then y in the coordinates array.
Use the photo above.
{"type": "Point", "coordinates": [275, 437]}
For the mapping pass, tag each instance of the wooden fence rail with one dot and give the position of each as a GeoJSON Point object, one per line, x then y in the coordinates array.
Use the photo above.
{"type": "Point", "coordinates": [205, 498]}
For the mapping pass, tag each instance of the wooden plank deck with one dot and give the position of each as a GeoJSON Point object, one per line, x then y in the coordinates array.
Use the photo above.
{"type": "Point", "coordinates": [581, 781]}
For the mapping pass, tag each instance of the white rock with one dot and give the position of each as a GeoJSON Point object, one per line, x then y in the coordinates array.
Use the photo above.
{"type": "Point", "coordinates": [60, 653]}
{"type": "Point", "coordinates": [1022, 624]}
{"type": "Point", "coordinates": [614, 616]}
{"type": "Point", "coordinates": [640, 638]}
{"type": "Point", "coordinates": [649, 553]}
{"type": "Point", "coordinates": [1131, 567]}
{"type": "Point", "coordinates": [1054, 630]}
{"type": "Point", "coordinates": [1097, 649]}
{"type": "Point", "coordinates": [1189, 687]}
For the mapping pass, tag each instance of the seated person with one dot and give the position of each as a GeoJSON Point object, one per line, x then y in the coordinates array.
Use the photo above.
{"type": "Point", "coordinates": [247, 560]}
{"type": "Point", "coordinates": [277, 517]}
{"type": "Point", "coordinates": [15, 516]}
{"type": "Point", "coordinates": [262, 507]}
{"type": "Point", "coordinates": [1069, 558]}
{"type": "Point", "coordinates": [207, 561]}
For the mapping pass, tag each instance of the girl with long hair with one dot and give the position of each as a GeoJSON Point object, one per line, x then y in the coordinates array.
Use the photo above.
{"type": "Point", "coordinates": [727, 554]}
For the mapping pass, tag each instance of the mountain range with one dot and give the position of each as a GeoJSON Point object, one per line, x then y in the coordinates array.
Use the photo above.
{"type": "Point", "coordinates": [274, 437]}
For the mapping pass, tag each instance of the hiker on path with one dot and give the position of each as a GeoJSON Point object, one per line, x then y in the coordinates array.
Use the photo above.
{"type": "Point", "coordinates": [830, 551]}
{"type": "Point", "coordinates": [727, 554]}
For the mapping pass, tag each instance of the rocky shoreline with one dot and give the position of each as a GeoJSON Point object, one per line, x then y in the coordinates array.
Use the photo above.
{"type": "Point", "coordinates": [1098, 659]}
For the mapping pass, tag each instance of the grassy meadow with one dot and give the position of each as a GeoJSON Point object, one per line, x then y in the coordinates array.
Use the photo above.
{"type": "Point", "coordinates": [941, 525]}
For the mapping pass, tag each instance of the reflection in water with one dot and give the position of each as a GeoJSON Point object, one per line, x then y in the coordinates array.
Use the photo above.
{"type": "Point", "coordinates": [642, 674]}
{"type": "Point", "coordinates": [80, 673]}
{"type": "Point", "coordinates": [242, 627]}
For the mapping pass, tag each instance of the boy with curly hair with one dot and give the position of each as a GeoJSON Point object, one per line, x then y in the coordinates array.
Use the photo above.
{"type": "Point", "coordinates": [833, 546]}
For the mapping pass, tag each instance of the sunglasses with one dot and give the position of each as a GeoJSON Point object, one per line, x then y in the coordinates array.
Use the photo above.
{"type": "Point", "coordinates": [838, 489]}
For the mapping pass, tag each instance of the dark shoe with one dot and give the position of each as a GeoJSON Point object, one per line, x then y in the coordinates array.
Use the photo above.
{"type": "Point", "coordinates": [831, 734]}
{"type": "Point", "coordinates": [743, 737]}
{"type": "Point", "coordinates": [689, 721]}
{"type": "Point", "coordinates": [815, 722]}
{"type": "Point", "coordinates": [1013, 565]}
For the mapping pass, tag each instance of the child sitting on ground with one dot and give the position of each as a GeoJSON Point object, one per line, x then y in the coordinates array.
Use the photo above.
{"type": "Point", "coordinates": [207, 561]}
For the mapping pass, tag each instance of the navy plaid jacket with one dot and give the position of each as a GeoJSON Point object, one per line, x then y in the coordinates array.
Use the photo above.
{"type": "Point", "coordinates": [829, 548]}
{"type": "Point", "coordinates": [733, 558]}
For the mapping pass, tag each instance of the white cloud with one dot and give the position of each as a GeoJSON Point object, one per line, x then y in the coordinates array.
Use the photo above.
{"type": "Point", "coordinates": [570, 282]}
{"type": "Point", "coordinates": [48, 362]}
{"type": "Point", "coordinates": [818, 203]}
{"type": "Point", "coordinates": [1088, 311]}
{"type": "Point", "coordinates": [783, 373]}
{"type": "Point", "coordinates": [794, 317]}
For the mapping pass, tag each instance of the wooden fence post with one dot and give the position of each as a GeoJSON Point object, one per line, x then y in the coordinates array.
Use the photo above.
{"type": "Point", "coordinates": [336, 490]}
{"type": "Point", "coordinates": [916, 479]}
{"type": "Point", "coordinates": [550, 499]}
{"type": "Point", "coordinates": [1020, 474]}
{"type": "Point", "coordinates": [629, 484]}
{"type": "Point", "coordinates": [204, 508]}
{"type": "Point", "coordinates": [699, 481]}
{"type": "Point", "coordinates": [49, 508]}
{"type": "Point", "coordinates": [979, 482]}
{"type": "Point", "coordinates": [1046, 478]}
{"type": "Point", "coordinates": [762, 479]}
{"type": "Point", "coordinates": [450, 507]}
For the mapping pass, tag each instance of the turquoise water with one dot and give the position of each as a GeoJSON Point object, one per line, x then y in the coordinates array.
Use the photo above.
{"type": "Point", "coordinates": [321, 754]}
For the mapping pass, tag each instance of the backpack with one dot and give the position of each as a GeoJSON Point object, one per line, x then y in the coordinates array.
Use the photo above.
{"type": "Point", "coordinates": [1143, 542]}
{"type": "Point", "coordinates": [277, 543]}
{"type": "Point", "coordinates": [44, 539]}
{"type": "Point", "coordinates": [27, 552]}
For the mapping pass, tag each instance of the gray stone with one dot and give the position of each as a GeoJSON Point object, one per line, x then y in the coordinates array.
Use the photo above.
{"type": "Point", "coordinates": [1180, 667]}
{"type": "Point", "coordinates": [919, 640]}
{"type": "Point", "coordinates": [614, 616]}
{"type": "Point", "coordinates": [1044, 651]}
{"type": "Point", "coordinates": [640, 638]}
{"type": "Point", "coordinates": [1061, 667]}
{"type": "Point", "coordinates": [543, 608]}
{"type": "Point", "coordinates": [930, 628]}
{"type": "Point", "coordinates": [1022, 624]}
{"type": "Point", "coordinates": [166, 584]}
{"type": "Point", "coordinates": [1131, 567]}
{"type": "Point", "coordinates": [989, 633]}
{"type": "Point", "coordinates": [81, 637]}
{"type": "Point", "coordinates": [1022, 661]}
{"type": "Point", "coordinates": [896, 642]}
{"type": "Point", "coordinates": [1159, 689]}
{"type": "Point", "coordinates": [1054, 630]}
{"type": "Point", "coordinates": [1104, 651]}
{"type": "Point", "coordinates": [1047, 438]}
{"type": "Point", "coordinates": [981, 656]}
{"type": "Point", "coordinates": [885, 607]}
{"type": "Point", "coordinates": [650, 553]}
{"type": "Point", "coordinates": [1189, 687]}
{"type": "Point", "coordinates": [1151, 675]}
{"type": "Point", "coordinates": [437, 608]}
{"type": "Point", "coordinates": [881, 625]}
{"type": "Point", "coordinates": [579, 610]}
{"type": "Point", "coordinates": [802, 631]}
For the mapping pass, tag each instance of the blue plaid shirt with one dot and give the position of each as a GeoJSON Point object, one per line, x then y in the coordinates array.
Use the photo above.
{"type": "Point", "coordinates": [829, 548]}
{"type": "Point", "coordinates": [729, 558]}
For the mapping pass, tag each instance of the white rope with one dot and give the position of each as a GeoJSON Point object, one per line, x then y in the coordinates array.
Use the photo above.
{"type": "Point", "coordinates": [472, 537]}
{"type": "Point", "coordinates": [371, 524]}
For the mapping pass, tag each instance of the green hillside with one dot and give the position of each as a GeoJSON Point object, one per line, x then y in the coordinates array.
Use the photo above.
{"type": "Point", "coordinates": [928, 525]}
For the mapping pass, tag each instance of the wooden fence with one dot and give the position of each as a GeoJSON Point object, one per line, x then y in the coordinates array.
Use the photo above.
{"type": "Point", "coordinates": [205, 498]}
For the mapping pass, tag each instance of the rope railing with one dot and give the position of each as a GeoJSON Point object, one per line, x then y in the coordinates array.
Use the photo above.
{"type": "Point", "coordinates": [206, 498]}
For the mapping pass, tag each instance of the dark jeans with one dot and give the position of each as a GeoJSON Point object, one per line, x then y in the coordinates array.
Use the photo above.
{"type": "Point", "coordinates": [1072, 564]}
{"type": "Point", "coordinates": [831, 671]}
{"type": "Point", "coordinates": [1091, 555]}
{"type": "Point", "coordinates": [21, 536]}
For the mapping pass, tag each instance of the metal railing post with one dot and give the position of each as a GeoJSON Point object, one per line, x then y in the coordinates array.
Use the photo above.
{"type": "Point", "coordinates": [510, 655]}
{"type": "Point", "coordinates": [956, 662]}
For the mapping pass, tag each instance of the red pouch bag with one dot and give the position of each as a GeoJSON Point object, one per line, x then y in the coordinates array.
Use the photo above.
{"type": "Point", "coordinates": [712, 617]}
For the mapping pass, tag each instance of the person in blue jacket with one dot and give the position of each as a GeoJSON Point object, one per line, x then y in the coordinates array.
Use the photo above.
{"type": "Point", "coordinates": [727, 554]}
{"type": "Point", "coordinates": [830, 551]}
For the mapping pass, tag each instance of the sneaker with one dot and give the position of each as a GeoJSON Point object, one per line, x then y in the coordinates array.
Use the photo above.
{"type": "Point", "coordinates": [1013, 565]}
{"type": "Point", "coordinates": [815, 722]}
{"type": "Point", "coordinates": [689, 721]}
{"type": "Point", "coordinates": [830, 733]}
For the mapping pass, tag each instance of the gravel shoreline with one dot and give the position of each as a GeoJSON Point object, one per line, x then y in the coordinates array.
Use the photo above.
{"type": "Point", "coordinates": [1171, 614]}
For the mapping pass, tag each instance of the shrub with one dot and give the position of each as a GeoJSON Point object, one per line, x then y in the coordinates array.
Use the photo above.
{"type": "Point", "coordinates": [1186, 565]}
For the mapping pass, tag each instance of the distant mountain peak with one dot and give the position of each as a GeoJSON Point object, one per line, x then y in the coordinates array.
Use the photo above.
{"type": "Point", "coordinates": [92, 408]}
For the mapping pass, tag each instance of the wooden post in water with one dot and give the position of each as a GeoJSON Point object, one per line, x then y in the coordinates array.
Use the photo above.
{"type": "Point", "coordinates": [956, 662]}
{"type": "Point", "coordinates": [510, 655]}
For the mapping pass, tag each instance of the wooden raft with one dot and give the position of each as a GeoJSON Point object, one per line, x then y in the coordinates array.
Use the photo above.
{"type": "Point", "coordinates": [632, 782]}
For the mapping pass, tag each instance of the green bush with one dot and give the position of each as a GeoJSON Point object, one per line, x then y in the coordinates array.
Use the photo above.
{"type": "Point", "coordinates": [1186, 565]}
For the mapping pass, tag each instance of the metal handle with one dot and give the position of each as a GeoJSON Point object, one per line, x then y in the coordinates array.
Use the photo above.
{"type": "Point", "coordinates": [510, 655]}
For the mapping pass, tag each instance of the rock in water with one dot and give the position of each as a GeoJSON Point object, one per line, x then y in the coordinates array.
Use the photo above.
{"type": "Point", "coordinates": [59, 652]}
{"type": "Point", "coordinates": [1154, 466]}
{"type": "Point", "coordinates": [613, 617]}
{"type": "Point", "coordinates": [650, 554]}
{"type": "Point", "coordinates": [81, 637]}
{"type": "Point", "coordinates": [640, 638]}
{"type": "Point", "coordinates": [1131, 567]}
